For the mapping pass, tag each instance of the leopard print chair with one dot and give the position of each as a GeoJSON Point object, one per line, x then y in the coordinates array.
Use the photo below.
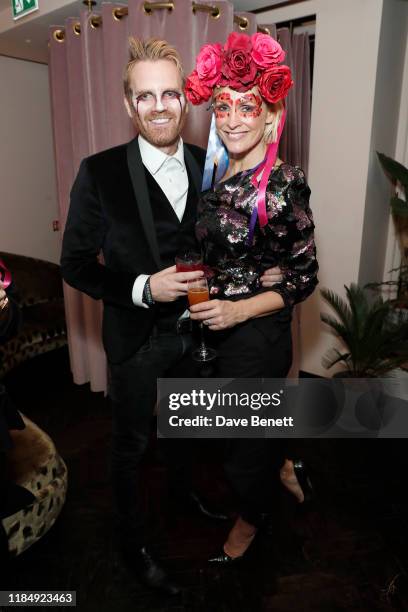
{"type": "Point", "coordinates": [40, 297]}
{"type": "Point", "coordinates": [35, 464]}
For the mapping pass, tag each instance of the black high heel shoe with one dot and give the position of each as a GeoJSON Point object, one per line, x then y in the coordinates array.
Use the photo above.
{"type": "Point", "coordinates": [303, 480]}
{"type": "Point", "coordinates": [222, 558]}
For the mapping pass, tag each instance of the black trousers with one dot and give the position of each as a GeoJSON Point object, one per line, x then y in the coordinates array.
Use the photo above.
{"type": "Point", "coordinates": [133, 394]}
{"type": "Point", "coordinates": [259, 348]}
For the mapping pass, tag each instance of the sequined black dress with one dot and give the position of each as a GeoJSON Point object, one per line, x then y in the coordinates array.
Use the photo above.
{"type": "Point", "coordinates": [260, 347]}
{"type": "Point", "coordinates": [223, 226]}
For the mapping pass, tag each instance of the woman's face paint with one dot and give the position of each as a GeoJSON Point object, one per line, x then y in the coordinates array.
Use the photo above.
{"type": "Point", "coordinates": [248, 105]}
{"type": "Point", "coordinates": [240, 119]}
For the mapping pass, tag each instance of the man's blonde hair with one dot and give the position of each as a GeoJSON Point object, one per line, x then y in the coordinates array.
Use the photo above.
{"type": "Point", "coordinates": [271, 129]}
{"type": "Point", "coordinates": [152, 50]}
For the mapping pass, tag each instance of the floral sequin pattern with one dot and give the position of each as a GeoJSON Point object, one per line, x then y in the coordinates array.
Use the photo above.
{"type": "Point", "coordinates": [223, 226]}
{"type": "Point", "coordinates": [275, 203]}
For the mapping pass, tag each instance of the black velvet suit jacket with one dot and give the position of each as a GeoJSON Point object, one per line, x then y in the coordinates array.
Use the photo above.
{"type": "Point", "coordinates": [110, 212]}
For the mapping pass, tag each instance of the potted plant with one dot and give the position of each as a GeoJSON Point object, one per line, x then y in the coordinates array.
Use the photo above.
{"type": "Point", "coordinates": [399, 284]}
{"type": "Point", "coordinates": [398, 175]}
{"type": "Point", "coordinates": [375, 340]}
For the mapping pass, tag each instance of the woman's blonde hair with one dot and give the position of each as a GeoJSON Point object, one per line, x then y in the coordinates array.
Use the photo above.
{"type": "Point", "coordinates": [152, 50]}
{"type": "Point", "coordinates": [271, 129]}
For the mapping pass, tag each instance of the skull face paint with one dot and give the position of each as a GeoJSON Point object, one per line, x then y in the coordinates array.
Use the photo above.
{"type": "Point", "coordinates": [158, 107]}
{"type": "Point", "coordinates": [240, 119]}
{"type": "Point", "coordinates": [159, 101]}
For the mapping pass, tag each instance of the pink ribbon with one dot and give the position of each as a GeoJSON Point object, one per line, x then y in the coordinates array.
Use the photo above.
{"type": "Point", "coordinates": [265, 168]}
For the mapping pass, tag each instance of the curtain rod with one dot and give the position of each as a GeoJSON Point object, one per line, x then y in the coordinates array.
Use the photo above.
{"type": "Point", "coordinates": [277, 5]}
{"type": "Point", "coordinates": [300, 21]}
{"type": "Point", "coordinates": [148, 7]}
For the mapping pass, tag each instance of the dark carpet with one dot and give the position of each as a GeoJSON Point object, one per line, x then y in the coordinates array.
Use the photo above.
{"type": "Point", "coordinates": [348, 553]}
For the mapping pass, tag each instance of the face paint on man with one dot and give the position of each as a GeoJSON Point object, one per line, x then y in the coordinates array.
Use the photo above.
{"type": "Point", "coordinates": [158, 107]}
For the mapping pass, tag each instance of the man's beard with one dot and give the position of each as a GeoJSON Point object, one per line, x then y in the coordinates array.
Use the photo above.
{"type": "Point", "coordinates": [161, 135]}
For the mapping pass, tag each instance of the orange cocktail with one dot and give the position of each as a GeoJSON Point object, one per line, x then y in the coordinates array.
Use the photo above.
{"type": "Point", "coordinates": [197, 292]}
{"type": "Point", "coordinates": [197, 295]}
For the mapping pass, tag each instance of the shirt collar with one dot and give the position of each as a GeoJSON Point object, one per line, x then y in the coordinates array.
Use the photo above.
{"type": "Point", "coordinates": [153, 158]}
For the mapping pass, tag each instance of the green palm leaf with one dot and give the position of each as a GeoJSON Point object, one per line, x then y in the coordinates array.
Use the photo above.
{"type": "Point", "coordinates": [338, 304]}
{"type": "Point", "coordinates": [338, 328]}
{"type": "Point", "coordinates": [395, 170]}
{"type": "Point", "coordinates": [334, 356]}
{"type": "Point", "coordinates": [399, 207]}
{"type": "Point", "coordinates": [375, 340]}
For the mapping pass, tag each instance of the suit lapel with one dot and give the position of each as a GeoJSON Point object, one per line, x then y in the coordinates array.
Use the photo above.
{"type": "Point", "coordinates": [136, 171]}
{"type": "Point", "coordinates": [193, 166]}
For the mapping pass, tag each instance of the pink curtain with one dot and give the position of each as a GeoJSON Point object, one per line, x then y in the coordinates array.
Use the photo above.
{"type": "Point", "coordinates": [294, 145]}
{"type": "Point", "coordinates": [71, 139]}
{"type": "Point", "coordinates": [296, 136]}
{"type": "Point", "coordinates": [87, 57]}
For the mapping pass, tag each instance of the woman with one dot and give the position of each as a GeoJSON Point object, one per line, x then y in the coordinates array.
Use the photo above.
{"type": "Point", "coordinates": [257, 217]}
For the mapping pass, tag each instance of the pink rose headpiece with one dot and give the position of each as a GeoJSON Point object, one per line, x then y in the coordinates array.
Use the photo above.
{"type": "Point", "coordinates": [243, 62]}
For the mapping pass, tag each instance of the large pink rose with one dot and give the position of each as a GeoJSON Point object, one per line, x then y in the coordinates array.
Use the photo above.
{"type": "Point", "coordinates": [196, 91]}
{"type": "Point", "coordinates": [209, 62]}
{"type": "Point", "coordinates": [238, 70]}
{"type": "Point", "coordinates": [238, 41]}
{"type": "Point", "coordinates": [266, 51]}
{"type": "Point", "coordinates": [275, 83]}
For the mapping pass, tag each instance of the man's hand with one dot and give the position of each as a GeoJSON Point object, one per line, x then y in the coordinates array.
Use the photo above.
{"type": "Point", "coordinates": [271, 276]}
{"type": "Point", "coordinates": [168, 285]}
{"type": "Point", "coordinates": [219, 314]}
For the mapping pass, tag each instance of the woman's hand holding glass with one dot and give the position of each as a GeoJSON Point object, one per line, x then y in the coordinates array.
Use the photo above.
{"type": "Point", "coordinates": [219, 314]}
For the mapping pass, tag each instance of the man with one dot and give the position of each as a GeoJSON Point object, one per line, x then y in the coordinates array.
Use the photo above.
{"type": "Point", "coordinates": [137, 203]}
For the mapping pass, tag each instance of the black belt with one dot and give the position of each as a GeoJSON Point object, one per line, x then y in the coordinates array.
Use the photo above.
{"type": "Point", "coordinates": [181, 326]}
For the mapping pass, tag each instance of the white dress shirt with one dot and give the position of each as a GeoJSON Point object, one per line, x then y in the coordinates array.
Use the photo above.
{"type": "Point", "coordinates": [169, 171]}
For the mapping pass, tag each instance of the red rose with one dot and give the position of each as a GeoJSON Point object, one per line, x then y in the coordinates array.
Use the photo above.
{"type": "Point", "coordinates": [238, 70]}
{"type": "Point", "coordinates": [208, 64]}
{"type": "Point", "coordinates": [266, 51]}
{"type": "Point", "coordinates": [196, 91]}
{"type": "Point", "coordinates": [238, 41]}
{"type": "Point", "coordinates": [275, 83]}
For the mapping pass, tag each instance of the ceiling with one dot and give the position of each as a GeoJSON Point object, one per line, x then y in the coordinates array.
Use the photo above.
{"type": "Point", "coordinates": [27, 37]}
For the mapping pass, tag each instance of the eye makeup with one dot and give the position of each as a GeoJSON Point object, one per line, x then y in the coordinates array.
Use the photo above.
{"type": "Point", "coordinates": [149, 99]}
{"type": "Point", "coordinates": [246, 106]}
